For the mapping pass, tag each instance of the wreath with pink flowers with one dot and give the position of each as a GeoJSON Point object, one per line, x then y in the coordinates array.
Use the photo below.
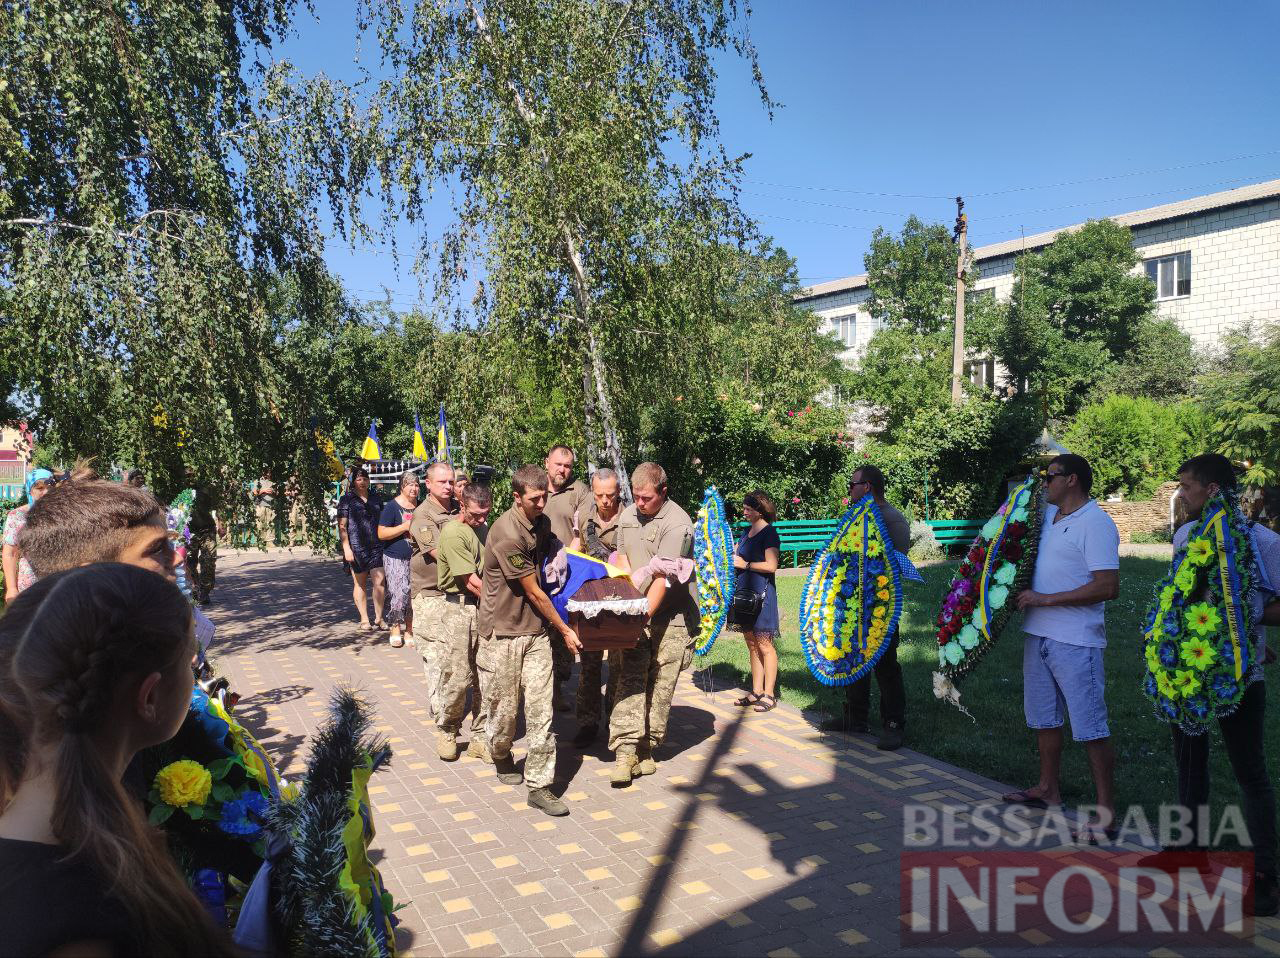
{"type": "Point", "coordinates": [997, 566]}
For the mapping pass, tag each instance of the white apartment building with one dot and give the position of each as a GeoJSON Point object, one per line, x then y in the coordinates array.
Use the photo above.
{"type": "Point", "coordinates": [1215, 261]}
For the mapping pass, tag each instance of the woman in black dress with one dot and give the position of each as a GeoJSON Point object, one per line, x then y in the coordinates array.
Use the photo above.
{"type": "Point", "coordinates": [358, 513]}
{"type": "Point", "coordinates": [756, 560]}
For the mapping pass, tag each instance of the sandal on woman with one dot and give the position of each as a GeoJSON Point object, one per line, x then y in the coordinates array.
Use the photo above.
{"type": "Point", "coordinates": [381, 625]}
{"type": "Point", "coordinates": [397, 640]}
{"type": "Point", "coordinates": [766, 703]}
{"type": "Point", "coordinates": [749, 699]}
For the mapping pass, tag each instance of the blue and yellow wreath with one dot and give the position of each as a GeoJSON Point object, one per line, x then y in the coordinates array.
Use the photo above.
{"type": "Point", "coordinates": [713, 564]}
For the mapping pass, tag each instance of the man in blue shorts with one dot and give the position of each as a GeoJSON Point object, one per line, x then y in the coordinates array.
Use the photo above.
{"type": "Point", "coordinates": [1077, 571]}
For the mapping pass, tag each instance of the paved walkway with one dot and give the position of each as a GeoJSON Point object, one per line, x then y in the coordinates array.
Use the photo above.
{"type": "Point", "coordinates": [759, 835]}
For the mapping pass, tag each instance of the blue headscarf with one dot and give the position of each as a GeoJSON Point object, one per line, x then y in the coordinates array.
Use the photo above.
{"type": "Point", "coordinates": [34, 476]}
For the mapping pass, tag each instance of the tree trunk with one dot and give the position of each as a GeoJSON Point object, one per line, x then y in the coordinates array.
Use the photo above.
{"type": "Point", "coordinates": [590, 425]}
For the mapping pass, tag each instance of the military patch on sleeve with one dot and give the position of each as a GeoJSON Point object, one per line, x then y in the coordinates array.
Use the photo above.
{"type": "Point", "coordinates": [517, 560]}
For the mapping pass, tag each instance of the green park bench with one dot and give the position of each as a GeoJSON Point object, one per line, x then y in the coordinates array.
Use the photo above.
{"type": "Point", "coordinates": [954, 533]}
{"type": "Point", "coordinates": [810, 535]}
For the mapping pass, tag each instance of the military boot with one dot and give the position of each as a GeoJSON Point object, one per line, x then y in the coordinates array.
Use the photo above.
{"type": "Point", "coordinates": [545, 800]}
{"type": "Point", "coordinates": [508, 774]}
{"type": "Point", "coordinates": [479, 748]}
{"type": "Point", "coordinates": [624, 765]}
{"type": "Point", "coordinates": [447, 746]}
{"type": "Point", "coordinates": [645, 765]}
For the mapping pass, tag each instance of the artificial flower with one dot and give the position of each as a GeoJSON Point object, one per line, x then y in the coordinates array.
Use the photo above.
{"type": "Point", "coordinates": [1185, 578]}
{"type": "Point", "coordinates": [1153, 659]}
{"type": "Point", "coordinates": [1016, 530]}
{"type": "Point", "coordinates": [256, 768]}
{"type": "Point", "coordinates": [243, 815]}
{"type": "Point", "coordinates": [1198, 706]}
{"type": "Point", "coordinates": [883, 595]}
{"type": "Point", "coordinates": [991, 528]}
{"type": "Point", "coordinates": [953, 653]}
{"type": "Point", "coordinates": [1202, 618]}
{"type": "Point", "coordinates": [968, 637]}
{"type": "Point", "coordinates": [1168, 654]}
{"type": "Point", "coordinates": [1006, 573]}
{"type": "Point", "coordinates": [1166, 685]}
{"type": "Point", "coordinates": [1198, 653]}
{"type": "Point", "coordinates": [998, 596]}
{"type": "Point", "coordinates": [1012, 550]}
{"type": "Point", "coordinates": [1199, 550]}
{"type": "Point", "coordinates": [184, 782]}
{"type": "Point", "coordinates": [1186, 682]}
{"type": "Point", "coordinates": [1166, 597]}
{"type": "Point", "coordinates": [965, 570]}
{"type": "Point", "coordinates": [1019, 515]}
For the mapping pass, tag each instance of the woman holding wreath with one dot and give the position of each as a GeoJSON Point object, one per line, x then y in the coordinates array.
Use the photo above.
{"type": "Point", "coordinates": [755, 603]}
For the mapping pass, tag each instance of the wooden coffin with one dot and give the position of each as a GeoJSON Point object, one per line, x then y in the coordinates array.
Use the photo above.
{"type": "Point", "coordinates": [608, 614]}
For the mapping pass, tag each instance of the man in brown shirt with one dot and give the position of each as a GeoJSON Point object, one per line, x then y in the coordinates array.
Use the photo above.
{"type": "Point", "coordinates": [869, 480]}
{"type": "Point", "coordinates": [515, 649]}
{"type": "Point", "coordinates": [568, 501]}
{"type": "Point", "coordinates": [654, 527]}
{"type": "Point", "coordinates": [599, 539]}
{"type": "Point", "coordinates": [429, 606]}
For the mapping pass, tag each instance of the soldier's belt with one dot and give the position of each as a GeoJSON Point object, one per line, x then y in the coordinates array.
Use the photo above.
{"type": "Point", "coordinates": [461, 598]}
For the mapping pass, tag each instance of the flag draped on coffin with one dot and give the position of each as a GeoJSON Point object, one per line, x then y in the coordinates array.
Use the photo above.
{"type": "Point", "coordinates": [852, 600]}
{"type": "Point", "coordinates": [713, 562]}
{"type": "Point", "coordinates": [371, 449]}
{"type": "Point", "coordinates": [580, 570]}
{"type": "Point", "coordinates": [442, 439]}
{"type": "Point", "coordinates": [419, 444]}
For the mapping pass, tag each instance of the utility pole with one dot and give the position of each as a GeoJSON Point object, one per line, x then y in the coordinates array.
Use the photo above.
{"type": "Point", "coordinates": [957, 344]}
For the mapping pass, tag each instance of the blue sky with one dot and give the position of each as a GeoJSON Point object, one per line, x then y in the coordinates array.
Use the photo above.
{"type": "Point", "coordinates": [1039, 114]}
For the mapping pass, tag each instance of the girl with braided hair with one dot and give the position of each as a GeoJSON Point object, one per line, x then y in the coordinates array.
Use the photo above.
{"type": "Point", "coordinates": [103, 666]}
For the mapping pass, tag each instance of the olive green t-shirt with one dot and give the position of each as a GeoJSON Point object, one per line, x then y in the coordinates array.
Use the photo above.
{"type": "Point", "coordinates": [428, 519]}
{"type": "Point", "coordinates": [460, 553]}
{"type": "Point", "coordinates": [668, 534]}
{"type": "Point", "coordinates": [562, 506]}
{"type": "Point", "coordinates": [515, 549]}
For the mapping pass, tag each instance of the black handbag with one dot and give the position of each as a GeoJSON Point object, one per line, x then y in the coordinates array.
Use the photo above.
{"type": "Point", "coordinates": [746, 607]}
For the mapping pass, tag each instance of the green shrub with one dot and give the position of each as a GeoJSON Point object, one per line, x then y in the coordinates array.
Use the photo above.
{"type": "Point", "coordinates": [1134, 444]}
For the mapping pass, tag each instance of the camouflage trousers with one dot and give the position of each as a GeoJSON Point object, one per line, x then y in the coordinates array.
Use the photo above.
{"type": "Point", "coordinates": [646, 685]}
{"type": "Point", "coordinates": [587, 703]}
{"type": "Point", "coordinates": [562, 658]}
{"type": "Point", "coordinates": [429, 613]}
{"type": "Point", "coordinates": [509, 667]}
{"type": "Point", "coordinates": [202, 562]}
{"type": "Point", "coordinates": [456, 650]}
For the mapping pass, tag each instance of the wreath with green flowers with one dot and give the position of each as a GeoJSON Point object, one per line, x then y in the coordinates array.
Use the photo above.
{"type": "Point", "coordinates": [1198, 630]}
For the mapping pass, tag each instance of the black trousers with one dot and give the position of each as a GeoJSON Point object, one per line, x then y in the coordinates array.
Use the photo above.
{"type": "Point", "coordinates": [1242, 735]}
{"type": "Point", "coordinates": [893, 696]}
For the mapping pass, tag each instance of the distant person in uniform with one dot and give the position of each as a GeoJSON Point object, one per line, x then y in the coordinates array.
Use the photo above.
{"type": "Point", "coordinates": [514, 660]}
{"type": "Point", "coordinates": [893, 697]}
{"type": "Point", "coordinates": [202, 547]}
{"type": "Point", "coordinates": [653, 527]}
{"type": "Point", "coordinates": [459, 565]}
{"type": "Point", "coordinates": [568, 502]}
{"type": "Point", "coordinates": [599, 540]}
{"type": "Point", "coordinates": [429, 606]}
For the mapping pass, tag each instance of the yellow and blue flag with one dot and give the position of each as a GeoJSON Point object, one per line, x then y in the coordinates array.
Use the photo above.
{"type": "Point", "coordinates": [442, 439]}
{"type": "Point", "coordinates": [371, 448]}
{"type": "Point", "coordinates": [419, 444]}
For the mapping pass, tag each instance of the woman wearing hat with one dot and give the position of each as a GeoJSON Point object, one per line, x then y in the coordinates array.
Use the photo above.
{"type": "Point", "coordinates": [17, 572]}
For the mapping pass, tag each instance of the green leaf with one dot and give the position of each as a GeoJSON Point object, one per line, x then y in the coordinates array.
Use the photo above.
{"type": "Point", "coordinates": [160, 814]}
{"type": "Point", "coordinates": [223, 793]}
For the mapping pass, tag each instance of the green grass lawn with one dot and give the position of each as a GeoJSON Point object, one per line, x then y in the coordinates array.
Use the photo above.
{"type": "Point", "coordinates": [1000, 745]}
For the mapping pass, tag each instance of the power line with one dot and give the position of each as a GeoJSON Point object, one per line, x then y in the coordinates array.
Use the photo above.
{"type": "Point", "coordinates": [834, 206]}
{"type": "Point", "coordinates": [1117, 199]}
{"type": "Point", "coordinates": [839, 189]}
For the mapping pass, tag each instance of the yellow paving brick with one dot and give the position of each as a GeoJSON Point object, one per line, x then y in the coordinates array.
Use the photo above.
{"type": "Point", "coordinates": [601, 816]}
{"type": "Point", "coordinates": [464, 816]}
{"type": "Point", "coordinates": [570, 849]}
{"type": "Point", "coordinates": [481, 939]}
{"type": "Point", "coordinates": [867, 847]}
{"type": "Point", "coordinates": [753, 788]}
{"type": "Point", "coordinates": [402, 827]}
{"type": "Point", "coordinates": [719, 848]}
{"type": "Point", "coordinates": [558, 920]}
{"type": "Point", "coordinates": [529, 888]}
{"type": "Point", "coordinates": [415, 850]}
{"type": "Point", "coordinates": [665, 938]}
{"type": "Point", "coordinates": [695, 888]}
{"type": "Point", "coordinates": [544, 826]}
{"type": "Point", "coordinates": [629, 903]}
{"type": "Point", "coordinates": [859, 888]}
{"type": "Point", "coordinates": [627, 837]}
{"type": "Point", "coordinates": [439, 875]}
{"type": "Point", "coordinates": [655, 806]}
{"type": "Point", "coordinates": [800, 903]}
{"type": "Point", "coordinates": [446, 799]}
{"type": "Point", "coordinates": [656, 860]}
{"type": "Point", "coordinates": [455, 905]}
{"type": "Point", "coordinates": [506, 861]}
{"type": "Point", "coordinates": [377, 789]}
{"type": "Point", "coordinates": [783, 953]}
{"type": "Point", "coordinates": [852, 936]}
{"type": "Point", "coordinates": [814, 861]}
{"type": "Point", "coordinates": [736, 920]}
{"type": "Point", "coordinates": [824, 825]}
{"type": "Point", "coordinates": [597, 874]}
{"type": "Point", "coordinates": [756, 874]}
{"type": "Point", "coordinates": [590, 953]}
{"type": "Point", "coordinates": [576, 797]}
{"type": "Point", "coordinates": [417, 766]}
{"type": "Point", "coordinates": [481, 838]}
{"type": "Point", "coordinates": [788, 805]}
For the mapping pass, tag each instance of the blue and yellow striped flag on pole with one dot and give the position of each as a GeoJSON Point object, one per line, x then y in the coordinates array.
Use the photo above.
{"type": "Point", "coordinates": [419, 444]}
{"type": "Point", "coordinates": [371, 448]}
{"type": "Point", "coordinates": [442, 439]}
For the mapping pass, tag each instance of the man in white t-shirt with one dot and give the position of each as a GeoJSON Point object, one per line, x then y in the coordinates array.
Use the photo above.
{"type": "Point", "coordinates": [1077, 571]}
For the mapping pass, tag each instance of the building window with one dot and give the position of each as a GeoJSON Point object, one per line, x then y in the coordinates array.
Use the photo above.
{"type": "Point", "coordinates": [981, 372]}
{"type": "Point", "coordinates": [1171, 274]}
{"type": "Point", "coordinates": [845, 329]}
